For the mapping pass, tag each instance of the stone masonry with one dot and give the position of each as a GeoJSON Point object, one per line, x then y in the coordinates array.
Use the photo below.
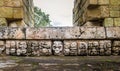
{"type": "Point", "coordinates": [81, 41]}
{"type": "Point", "coordinates": [16, 13]}
{"type": "Point", "coordinates": [98, 33]}
{"type": "Point", "coordinates": [96, 13]}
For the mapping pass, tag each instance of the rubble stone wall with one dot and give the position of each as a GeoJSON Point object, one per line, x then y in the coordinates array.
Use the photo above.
{"type": "Point", "coordinates": [16, 13]}
{"type": "Point", "coordinates": [96, 13]}
{"type": "Point", "coordinates": [60, 41]}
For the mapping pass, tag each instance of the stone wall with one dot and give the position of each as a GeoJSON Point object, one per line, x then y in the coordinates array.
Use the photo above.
{"type": "Point", "coordinates": [16, 13]}
{"type": "Point", "coordinates": [60, 41]}
{"type": "Point", "coordinates": [96, 12]}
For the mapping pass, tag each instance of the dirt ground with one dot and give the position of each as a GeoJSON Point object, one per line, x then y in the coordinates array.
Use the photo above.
{"type": "Point", "coordinates": [54, 63]}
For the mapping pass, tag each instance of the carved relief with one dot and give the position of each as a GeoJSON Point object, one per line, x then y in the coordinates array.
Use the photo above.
{"type": "Point", "coordinates": [105, 47]}
{"type": "Point", "coordinates": [82, 48]}
{"type": "Point", "coordinates": [2, 46]}
{"type": "Point", "coordinates": [93, 48]}
{"type": "Point", "coordinates": [57, 48]}
{"type": "Point", "coordinates": [21, 48]}
{"type": "Point", "coordinates": [70, 48]}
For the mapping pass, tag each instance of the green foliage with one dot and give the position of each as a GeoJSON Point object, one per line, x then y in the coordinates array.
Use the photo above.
{"type": "Point", "coordinates": [41, 19]}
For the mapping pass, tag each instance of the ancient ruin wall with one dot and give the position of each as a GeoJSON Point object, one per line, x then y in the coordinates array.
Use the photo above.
{"type": "Point", "coordinates": [16, 13]}
{"type": "Point", "coordinates": [96, 13]}
{"type": "Point", "coordinates": [78, 41]}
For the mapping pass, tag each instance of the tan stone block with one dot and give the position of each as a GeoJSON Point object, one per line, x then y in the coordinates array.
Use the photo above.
{"type": "Point", "coordinates": [93, 13]}
{"type": "Point", "coordinates": [1, 2]}
{"type": "Point", "coordinates": [103, 2]}
{"type": "Point", "coordinates": [13, 3]}
{"type": "Point", "coordinates": [114, 7]}
{"type": "Point", "coordinates": [3, 22]}
{"type": "Point", "coordinates": [114, 13]}
{"type": "Point", "coordinates": [6, 12]}
{"type": "Point", "coordinates": [116, 21]}
{"type": "Point", "coordinates": [18, 13]}
{"type": "Point", "coordinates": [116, 43]}
{"type": "Point", "coordinates": [93, 1]}
{"type": "Point", "coordinates": [104, 11]}
{"type": "Point", "coordinates": [108, 22]}
{"type": "Point", "coordinates": [114, 2]}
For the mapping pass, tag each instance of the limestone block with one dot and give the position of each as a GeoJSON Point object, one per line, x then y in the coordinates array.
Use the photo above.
{"type": "Point", "coordinates": [93, 13]}
{"type": "Point", "coordinates": [40, 33]}
{"type": "Point", "coordinates": [57, 48]}
{"type": "Point", "coordinates": [6, 12]}
{"type": "Point", "coordinates": [116, 43]}
{"type": "Point", "coordinates": [45, 47]}
{"type": "Point", "coordinates": [105, 47]}
{"type": "Point", "coordinates": [18, 13]}
{"type": "Point", "coordinates": [103, 2]}
{"type": "Point", "coordinates": [93, 2]}
{"type": "Point", "coordinates": [113, 32]}
{"type": "Point", "coordinates": [1, 2]}
{"type": "Point", "coordinates": [87, 33]}
{"type": "Point", "coordinates": [114, 7]}
{"type": "Point", "coordinates": [71, 32]}
{"type": "Point", "coordinates": [57, 33]}
{"type": "Point", "coordinates": [3, 22]}
{"type": "Point", "coordinates": [13, 3]}
{"type": "Point", "coordinates": [21, 48]}
{"type": "Point", "coordinates": [16, 33]}
{"type": "Point", "coordinates": [108, 22]}
{"type": "Point", "coordinates": [104, 11]}
{"type": "Point", "coordinates": [2, 47]}
{"type": "Point", "coordinates": [70, 48]}
{"type": "Point", "coordinates": [116, 21]}
{"type": "Point", "coordinates": [100, 33]}
{"type": "Point", "coordinates": [82, 48]}
{"type": "Point", "coordinates": [93, 48]}
{"type": "Point", "coordinates": [114, 13]}
{"type": "Point", "coordinates": [114, 2]}
{"type": "Point", "coordinates": [17, 23]}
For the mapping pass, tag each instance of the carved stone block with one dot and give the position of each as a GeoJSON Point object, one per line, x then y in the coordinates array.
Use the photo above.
{"type": "Point", "coordinates": [82, 47]}
{"type": "Point", "coordinates": [2, 47]}
{"type": "Point", "coordinates": [45, 47]}
{"type": "Point", "coordinates": [70, 48]}
{"type": "Point", "coordinates": [93, 48]}
{"type": "Point", "coordinates": [105, 47]}
{"type": "Point", "coordinates": [57, 48]}
{"type": "Point", "coordinates": [21, 48]}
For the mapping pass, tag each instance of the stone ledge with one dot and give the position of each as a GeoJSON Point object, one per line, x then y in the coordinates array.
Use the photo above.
{"type": "Point", "coordinates": [60, 33]}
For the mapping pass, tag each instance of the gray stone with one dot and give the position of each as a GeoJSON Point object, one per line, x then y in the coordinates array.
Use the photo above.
{"type": "Point", "coordinates": [57, 48]}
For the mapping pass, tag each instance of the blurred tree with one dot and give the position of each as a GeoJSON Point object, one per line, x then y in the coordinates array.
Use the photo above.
{"type": "Point", "coordinates": [41, 19]}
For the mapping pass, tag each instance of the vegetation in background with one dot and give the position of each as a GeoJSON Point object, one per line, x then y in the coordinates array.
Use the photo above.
{"type": "Point", "coordinates": [41, 19]}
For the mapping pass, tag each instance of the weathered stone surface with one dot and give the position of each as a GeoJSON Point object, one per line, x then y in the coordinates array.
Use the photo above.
{"type": "Point", "coordinates": [57, 48]}
{"type": "Point", "coordinates": [16, 33]}
{"type": "Point", "coordinates": [21, 48]}
{"type": "Point", "coordinates": [116, 43]}
{"type": "Point", "coordinates": [41, 33]}
{"type": "Point", "coordinates": [82, 47]}
{"type": "Point", "coordinates": [2, 47]}
{"type": "Point", "coordinates": [18, 13]}
{"type": "Point", "coordinates": [113, 32]}
{"type": "Point", "coordinates": [93, 48]}
{"type": "Point", "coordinates": [70, 48]}
{"type": "Point", "coordinates": [105, 47]}
{"type": "Point", "coordinates": [3, 22]}
{"type": "Point", "coordinates": [71, 33]}
{"type": "Point", "coordinates": [6, 12]}
{"type": "Point", "coordinates": [108, 22]}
